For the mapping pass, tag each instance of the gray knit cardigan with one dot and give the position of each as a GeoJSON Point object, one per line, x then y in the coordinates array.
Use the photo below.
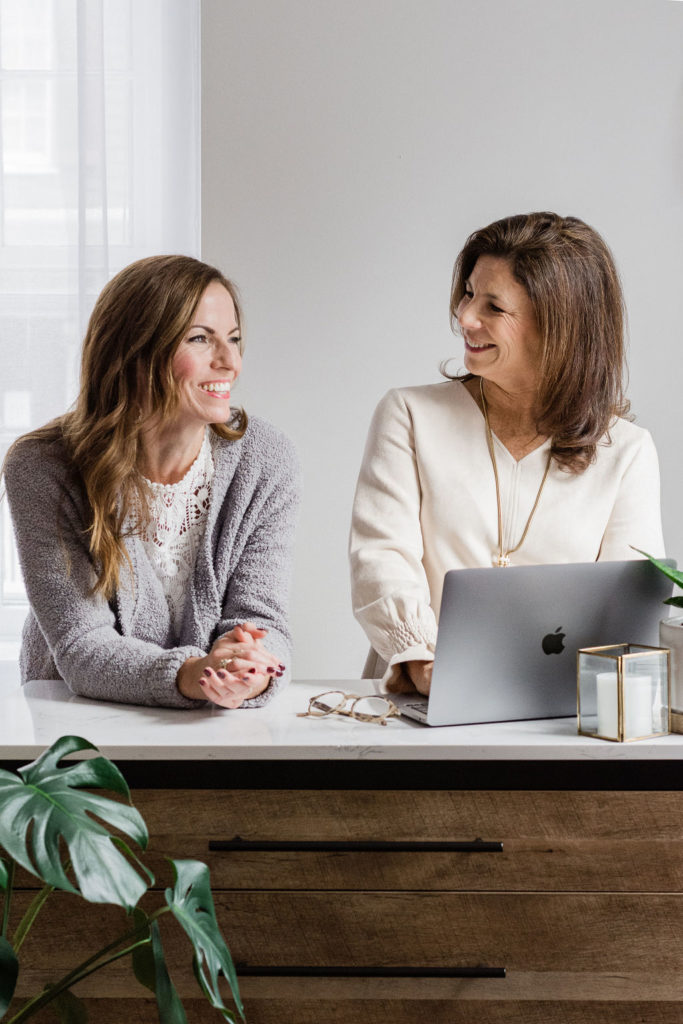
{"type": "Point", "coordinates": [123, 650]}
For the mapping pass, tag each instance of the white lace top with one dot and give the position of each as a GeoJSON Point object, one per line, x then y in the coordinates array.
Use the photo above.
{"type": "Point", "coordinates": [178, 515]}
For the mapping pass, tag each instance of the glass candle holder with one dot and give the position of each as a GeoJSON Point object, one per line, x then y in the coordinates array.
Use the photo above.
{"type": "Point", "coordinates": [623, 692]}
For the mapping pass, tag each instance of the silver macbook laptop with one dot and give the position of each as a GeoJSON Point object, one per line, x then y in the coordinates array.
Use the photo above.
{"type": "Point", "coordinates": [507, 640]}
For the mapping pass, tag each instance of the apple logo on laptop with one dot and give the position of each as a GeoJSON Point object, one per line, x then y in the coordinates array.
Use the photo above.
{"type": "Point", "coordinates": [553, 643]}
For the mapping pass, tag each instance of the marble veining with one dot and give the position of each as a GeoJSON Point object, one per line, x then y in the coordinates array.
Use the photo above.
{"type": "Point", "coordinates": [35, 715]}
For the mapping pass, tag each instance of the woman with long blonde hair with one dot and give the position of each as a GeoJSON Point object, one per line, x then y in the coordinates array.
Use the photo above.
{"type": "Point", "coordinates": [154, 522]}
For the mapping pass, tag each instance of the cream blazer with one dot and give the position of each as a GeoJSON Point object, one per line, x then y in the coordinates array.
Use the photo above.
{"type": "Point", "coordinates": [426, 503]}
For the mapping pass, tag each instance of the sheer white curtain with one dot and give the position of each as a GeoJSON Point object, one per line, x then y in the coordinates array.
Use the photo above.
{"type": "Point", "coordinates": [99, 165]}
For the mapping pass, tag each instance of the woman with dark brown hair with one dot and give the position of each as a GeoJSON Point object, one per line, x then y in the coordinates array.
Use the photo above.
{"type": "Point", "coordinates": [526, 459]}
{"type": "Point", "coordinates": [153, 521]}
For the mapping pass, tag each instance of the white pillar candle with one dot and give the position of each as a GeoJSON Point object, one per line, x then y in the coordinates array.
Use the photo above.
{"type": "Point", "coordinates": [637, 705]}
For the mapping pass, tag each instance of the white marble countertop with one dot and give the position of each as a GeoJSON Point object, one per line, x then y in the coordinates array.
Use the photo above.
{"type": "Point", "coordinates": [35, 715]}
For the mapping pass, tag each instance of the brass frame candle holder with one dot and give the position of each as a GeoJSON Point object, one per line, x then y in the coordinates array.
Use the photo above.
{"type": "Point", "coordinates": [640, 698]}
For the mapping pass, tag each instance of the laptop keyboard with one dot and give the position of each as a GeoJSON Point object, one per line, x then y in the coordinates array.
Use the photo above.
{"type": "Point", "coordinates": [420, 706]}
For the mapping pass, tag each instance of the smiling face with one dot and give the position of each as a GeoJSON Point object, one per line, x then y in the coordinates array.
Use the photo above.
{"type": "Point", "coordinates": [208, 360]}
{"type": "Point", "coordinates": [498, 324]}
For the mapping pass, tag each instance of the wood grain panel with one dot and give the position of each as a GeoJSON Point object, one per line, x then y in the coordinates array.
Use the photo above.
{"type": "Point", "coordinates": [524, 865]}
{"type": "Point", "coordinates": [557, 841]}
{"type": "Point", "coordinates": [460, 1012]}
{"type": "Point", "coordinates": [530, 932]}
{"type": "Point", "coordinates": [392, 1011]}
{"type": "Point", "coordinates": [405, 815]}
{"type": "Point", "coordinates": [518, 987]}
{"type": "Point", "coordinates": [523, 932]}
{"type": "Point", "coordinates": [584, 906]}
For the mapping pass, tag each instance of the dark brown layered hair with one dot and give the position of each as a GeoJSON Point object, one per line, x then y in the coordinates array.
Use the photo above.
{"type": "Point", "coordinates": [135, 329]}
{"type": "Point", "coordinates": [569, 274]}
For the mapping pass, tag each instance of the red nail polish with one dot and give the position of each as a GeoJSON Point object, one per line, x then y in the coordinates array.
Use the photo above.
{"type": "Point", "coordinates": [252, 670]}
{"type": "Point", "coordinates": [207, 671]}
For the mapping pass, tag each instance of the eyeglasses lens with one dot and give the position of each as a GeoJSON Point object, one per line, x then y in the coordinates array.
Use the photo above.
{"type": "Point", "coordinates": [326, 703]}
{"type": "Point", "coordinates": [373, 707]}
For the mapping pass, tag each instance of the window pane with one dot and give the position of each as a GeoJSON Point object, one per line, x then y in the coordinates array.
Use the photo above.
{"type": "Point", "coordinates": [92, 145]}
{"type": "Point", "coordinates": [27, 33]}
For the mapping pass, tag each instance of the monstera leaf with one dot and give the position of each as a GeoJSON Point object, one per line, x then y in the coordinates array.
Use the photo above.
{"type": "Point", "coordinates": [69, 1009]}
{"type": "Point", "coordinates": [673, 574]}
{"type": "Point", "coordinates": [149, 965]}
{"type": "Point", "coordinates": [48, 806]}
{"type": "Point", "coordinates": [191, 903]}
{"type": "Point", "coordinates": [142, 955]}
{"type": "Point", "coordinates": [9, 969]}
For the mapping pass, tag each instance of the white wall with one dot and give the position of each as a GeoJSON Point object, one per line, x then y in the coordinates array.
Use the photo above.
{"type": "Point", "coordinates": [350, 147]}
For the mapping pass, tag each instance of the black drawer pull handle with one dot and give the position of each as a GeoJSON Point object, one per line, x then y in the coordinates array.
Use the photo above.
{"type": "Point", "coordinates": [369, 846]}
{"type": "Point", "coordinates": [370, 972]}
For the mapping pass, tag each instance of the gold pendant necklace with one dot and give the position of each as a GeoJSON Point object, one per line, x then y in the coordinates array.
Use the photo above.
{"type": "Point", "coordinates": [502, 560]}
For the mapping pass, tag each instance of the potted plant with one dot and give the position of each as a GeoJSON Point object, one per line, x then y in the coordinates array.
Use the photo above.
{"type": "Point", "coordinates": [671, 634]}
{"type": "Point", "coordinates": [53, 826]}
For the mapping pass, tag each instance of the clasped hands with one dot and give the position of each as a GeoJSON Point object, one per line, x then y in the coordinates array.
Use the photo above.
{"type": "Point", "coordinates": [236, 668]}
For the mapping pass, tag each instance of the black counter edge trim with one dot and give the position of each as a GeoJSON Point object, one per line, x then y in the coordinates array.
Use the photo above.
{"type": "Point", "coordinates": [408, 775]}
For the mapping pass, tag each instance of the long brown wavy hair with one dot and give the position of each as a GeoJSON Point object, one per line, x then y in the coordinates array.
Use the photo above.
{"type": "Point", "coordinates": [137, 324]}
{"type": "Point", "coordinates": [570, 276]}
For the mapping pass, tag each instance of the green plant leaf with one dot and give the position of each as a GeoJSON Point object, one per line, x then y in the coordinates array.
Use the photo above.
{"type": "Point", "coordinates": [677, 601]}
{"type": "Point", "coordinates": [149, 966]}
{"type": "Point", "coordinates": [673, 574]}
{"type": "Point", "coordinates": [191, 903]}
{"type": "Point", "coordinates": [31, 913]}
{"type": "Point", "coordinates": [170, 1008]}
{"type": "Point", "coordinates": [48, 805]}
{"type": "Point", "coordinates": [9, 969]}
{"type": "Point", "coordinates": [4, 877]}
{"type": "Point", "coordinates": [143, 956]}
{"type": "Point", "coordinates": [69, 1008]}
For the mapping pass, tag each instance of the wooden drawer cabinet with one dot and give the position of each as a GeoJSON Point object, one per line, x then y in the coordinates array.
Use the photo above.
{"type": "Point", "coordinates": [579, 899]}
{"type": "Point", "coordinates": [551, 841]}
